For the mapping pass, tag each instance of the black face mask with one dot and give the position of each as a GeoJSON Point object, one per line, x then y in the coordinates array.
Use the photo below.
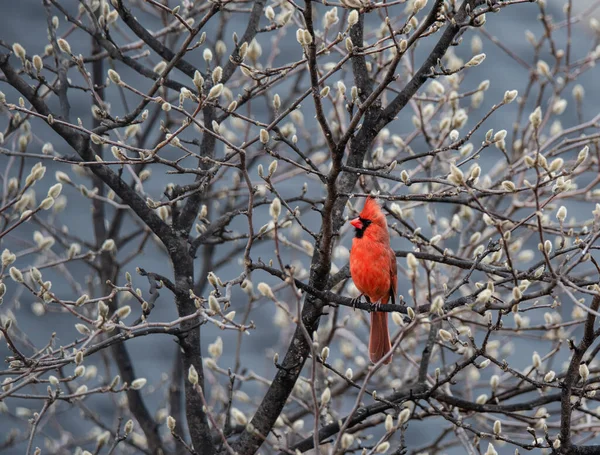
{"type": "Point", "coordinates": [358, 233]}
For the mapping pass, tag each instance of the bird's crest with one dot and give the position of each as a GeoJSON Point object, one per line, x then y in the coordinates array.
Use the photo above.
{"type": "Point", "coordinates": [372, 211]}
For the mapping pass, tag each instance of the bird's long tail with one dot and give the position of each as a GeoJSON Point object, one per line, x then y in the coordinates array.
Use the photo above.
{"type": "Point", "coordinates": [379, 338]}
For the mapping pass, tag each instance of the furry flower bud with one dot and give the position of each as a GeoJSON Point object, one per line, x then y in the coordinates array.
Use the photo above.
{"type": "Point", "coordinates": [193, 375]}
{"type": "Point", "coordinates": [584, 372]}
{"type": "Point", "coordinates": [264, 136]}
{"type": "Point", "coordinates": [275, 209]}
{"type": "Point", "coordinates": [139, 383]}
{"type": "Point", "coordinates": [16, 275]}
{"type": "Point", "coordinates": [509, 96]}
{"type": "Point", "coordinates": [475, 61]}
{"type": "Point", "coordinates": [536, 117]}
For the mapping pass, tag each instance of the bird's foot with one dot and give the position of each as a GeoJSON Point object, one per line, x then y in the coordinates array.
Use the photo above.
{"type": "Point", "coordinates": [356, 301]}
{"type": "Point", "coordinates": [377, 306]}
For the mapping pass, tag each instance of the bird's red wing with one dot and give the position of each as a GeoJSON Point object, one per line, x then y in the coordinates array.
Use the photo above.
{"type": "Point", "coordinates": [393, 276]}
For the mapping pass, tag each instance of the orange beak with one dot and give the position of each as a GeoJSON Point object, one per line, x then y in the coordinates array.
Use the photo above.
{"type": "Point", "coordinates": [356, 223]}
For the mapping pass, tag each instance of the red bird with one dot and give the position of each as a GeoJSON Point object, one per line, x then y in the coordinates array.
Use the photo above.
{"type": "Point", "coordinates": [374, 271]}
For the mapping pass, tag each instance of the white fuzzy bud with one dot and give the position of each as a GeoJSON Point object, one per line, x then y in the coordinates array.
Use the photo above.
{"type": "Point", "coordinates": [198, 80]}
{"type": "Point", "coordinates": [445, 335]}
{"type": "Point", "coordinates": [582, 156]}
{"type": "Point", "coordinates": [384, 446]}
{"type": "Point", "coordinates": [62, 177]}
{"type": "Point", "coordinates": [81, 390]}
{"type": "Point", "coordinates": [509, 186]}
{"type": "Point", "coordinates": [270, 13]}
{"type": "Point", "coordinates": [275, 209]}
{"type": "Point", "coordinates": [82, 328]}
{"type": "Point", "coordinates": [193, 375]}
{"type": "Point", "coordinates": [239, 416]}
{"type": "Point", "coordinates": [584, 372]}
{"type": "Point", "coordinates": [556, 165]}
{"type": "Point", "coordinates": [123, 312]}
{"type": "Point", "coordinates": [516, 293]}
{"type": "Point", "coordinates": [108, 245]}
{"type": "Point", "coordinates": [404, 416]}
{"type": "Point", "coordinates": [543, 68]}
{"type": "Point", "coordinates": [536, 117]}
{"type": "Point", "coordinates": [475, 61]}
{"type": "Point", "coordinates": [349, 373]}
{"type": "Point", "coordinates": [436, 87]}
{"type": "Point", "coordinates": [494, 382]}
{"type": "Point", "coordinates": [47, 203]}
{"type": "Point", "coordinates": [578, 93]}
{"type": "Point", "coordinates": [217, 74]}
{"type": "Point", "coordinates": [216, 349]}
{"type": "Point", "coordinates": [38, 63]}
{"type": "Point", "coordinates": [139, 383]}
{"type": "Point", "coordinates": [398, 320]}
{"type": "Point", "coordinates": [499, 136]}
{"type": "Point", "coordinates": [64, 45]}
{"type": "Point", "coordinates": [19, 51]}
{"type": "Point", "coordinates": [536, 360]}
{"type": "Point", "coordinates": [265, 290]}
{"type": "Point", "coordinates": [16, 275]}
{"type": "Point", "coordinates": [264, 136]}
{"type": "Point", "coordinates": [7, 257]}
{"type": "Point", "coordinates": [55, 190]}
{"type": "Point", "coordinates": [559, 106]}
{"type": "Point", "coordinates": [509, 96]}
{"type": "Point", "coordinates": [114, 76]}
{"type": "Point", "coordinates": [213, 304]}
{"type": "Point", "coordinates": [216, 91]}
{"type": "Point", "coordinates": [102, 439]}
{"type": "Point", "coordinates": [325, 396]}
{"type": "Point", "coordinates": [389, 423]}
{"type": "Point", "coordinates": [352, 18]}
{"type": "Point", "coordinates": [418, 5]}
{"type": "Point", "coordinates": [412, 261]}
{"type": "Point", "coordinates": [497, 427]}
{"type": "Point", "coordinates": [272, 167]}
{"type": "Point", "coordinates": [160, 67]}
{"type": "Point", "coordinates": [171, 423]}
{"type": "Point", "coordinates": [276, 101]}
{"type": "Point", "coordinates": [347, 440]}
{"type": "Point", "coordinates": [212, 279]}
{"type": "Point", "coordinates": [456, 175]}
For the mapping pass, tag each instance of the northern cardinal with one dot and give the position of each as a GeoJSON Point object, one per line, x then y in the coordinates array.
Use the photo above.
{"type": "Point", "coordinates": [374, 271]}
